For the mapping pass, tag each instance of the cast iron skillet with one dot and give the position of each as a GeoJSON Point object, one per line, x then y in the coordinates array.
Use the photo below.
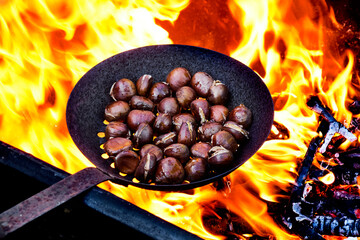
{"type": "Point", "coordinates": [85, 116]}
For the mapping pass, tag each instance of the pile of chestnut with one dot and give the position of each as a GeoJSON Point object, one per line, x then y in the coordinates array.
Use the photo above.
{"type": "Point", "coordinates": [168, 132]}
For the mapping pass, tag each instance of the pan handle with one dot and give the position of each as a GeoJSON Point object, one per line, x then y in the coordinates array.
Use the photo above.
{"type": "Point", "coordinates": [48, 199]}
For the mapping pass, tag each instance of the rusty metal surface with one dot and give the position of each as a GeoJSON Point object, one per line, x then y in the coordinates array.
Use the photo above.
{"type": "Point", "coordinates": [49, 198]}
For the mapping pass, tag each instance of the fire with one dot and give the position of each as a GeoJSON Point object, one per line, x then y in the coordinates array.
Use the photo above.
{"type": "Point", "coordinates": [46, 46]}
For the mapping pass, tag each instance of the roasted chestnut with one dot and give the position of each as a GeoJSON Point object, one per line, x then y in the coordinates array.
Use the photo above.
{"type": "Point", "coordinates": [159, 91]}
{"type": "Point", "coordinates": [195, 169]}
{"type": "Point", "coordinates": [201, 83]}
{"type": "Point", "coordinates": [219, 113]}
{"type": "Point", "coordinates": [115, 145]}
{"type": "Point", "coordinates": [200, 108]}
{"type": "Point", "coordinates": [142, 103]}
{"type": "Point", "coordinates": [241, 115]}
{"type": "Point", "coordinates": [165, 140]}
{"type": "Point", "coordinates": [136, 117]}
{"type": "Point", "coordinates": [179, 119]}
{"type": "Point", "coordinates": [127, 161]}
{"type": "Point", "coordinates": [143, 84]}
{"type": "Point", "coordinates": [225, 139]}
{"type": "Point", "coordinates": [169, 171]}
{"type": "Point", "coordinates": [117, 129]}
{"type": "Point", "coordinates": [218, 93]}
{"type": "Point", "coordinates": [200, 150]}
{"type": "Point", "coordinates": [143, 135]}
{"type": "Point", "coordinates": [169, 105]}
{"type": "Point", "coordinates": [178, 78]}
{"type": "Point", "coordinates": [187, 134]}
{"type": "Point", "coordinates": [123, 90]}
{"type": "Point", "coordinates": [220, 156]}
{"type": "Point", "coordinates": [117, 111]}
{"type": "Point", "coordinates": [179, 151]}
{"type": "Point", "coordinates": [163, 123]}
{"type": "Point", "coordinates": [151, 148]}
{"type": "Point", "coordinates": [237, 130]}
{"type": "Point", "coordinates": [207, 130]}
{"type": "Point", "coordinates": [185, 95]}
{"type": "Point", "coordinates": [146, 169]}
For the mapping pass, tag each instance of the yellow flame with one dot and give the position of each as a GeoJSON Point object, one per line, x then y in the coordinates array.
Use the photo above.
{"type": "Point", "coordinates": [328, 179]}
{"type": "Point", "coordinates": [47, 45]}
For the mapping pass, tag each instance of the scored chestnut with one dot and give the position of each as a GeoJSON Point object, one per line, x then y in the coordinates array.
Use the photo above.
{"type": "Point", "coordinates": [126, 161]}
{"type": "Point", "coordinates": [117, 111]}
{"type": "Point", "coordinates": [225, 139]}
{"type": "Point", "coordinates": [165, 140]}
{"type": "Point", "coordinates": [178, 78]}
{"type": "Point", "coordinates": [143, 135]}
{"type": "Point", "coordinates": [169, 171]}
{"type": "Point", "coordinates": [241, 115]}
{"type": "Point", "coordinates": [142, 103]}
{"type": "Point", "coordinates": [163, 123]}
{"type": "Point", "coordinates": [159, 91]}
{"type": "Point", "coordinates": [151, 148]}
{"type": "Point", "coordinates": [179, 151]}
{"type": "Point", "coordinates": [117, 129]}
{"type": "Point", "coordinates": [169, 105]}
{"type": "Point", "coordinates": [201, 83]}
{"type": "Point", "coordinates": [219, 113]}
{"type": "Point", "coordinates": [200, 108]}
{"type": "Point", "coordinates": [237, 130]}
{"type": "Point", "coordinates": [195, 169]}
{"type": "Point", "coordinates": [207, 130]}
{"type": "Point", "coordinates": [115, 145]}
{"type": "Point", "coordinates": [220, 156]}
{"type": "Point", "coordinates": [136, 117]}
{"type": "Point", "coordinates": [200, 150]}
{"type": "Point", "coordinates": [185, 95]}
{"type": "Point", "coordinates": [187, 134]}
{"type": "Point", "coordinates": [143, 84]}
{"type": "Point", "coordinates": [218, 93]}
{"type": "Point", "coordinates": [123, 90]}
{"type": "Point", "coordinates": [146, 168]}
{"type": "Point", "coordinates": [179, 119]}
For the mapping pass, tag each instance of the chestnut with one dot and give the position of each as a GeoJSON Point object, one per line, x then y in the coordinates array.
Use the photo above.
{"type": "Point", "coordinates": [117, 129]}
{"type": "Point", "coordinates": [123, 90]}
{"type": "Point", "coordinates": [200, 108]}
{"type": "Point", "coordinates": [146, 168]}
{"type": "Point", "coordinates": [219, 113]}
{"type": "Point", "coordinates": [115, 145]}
{"type": "Point", "coordinates": [218, 93]}
{"type": "Point", "coordinates": [201, 83]}
{"type": "Point", "coordinates": [159, 91]}
{"type": "Point", "coordinates": [178, 78]}
{"type": "Point", "coordinates": [220, 156]}
{"type": "Point", "coordinates": [169, 105]}
{"type": "Point", "coordinates": [200, 150]}
{"type": "Point", "coordinates": [187, 134]}
{"type": "Point", "coordinates": [143, 84]}
{"type": "Point", "coordinates": [179, 151]}
{"type": "Point", "coordinates": [195, 169]}
{"type": "Point", "coordinates": [241, 115]}
{"type": "Point", "coordinates": [117, 111]}
{"type": "Point", "coordinates": [127, 161]}
{"type": "Point", "coordinates": [207, 130]}
{"type": "Point", "coordinates": [143, 135]}
{"type": "Point", "coordinates": [163, 123]}
{"type": "Point", "coordinates": [165, 140]}
{"type": "Point", "coordinates": [179, 119]}
{"type": "Point", "coordinates": [185, 95]}
{"type": "Point", "coordinates": [151, 148]}
{"type": "Point", "coordinates": [225, 139]}
{"type": "Point", "coordinates": [169, 171]}
{"type": "Point", "coordinates": [142, 103]}
{"type": "Point", "coordinates": [237, 130]}
{"type": "Point", "coordinates": [136, 117]}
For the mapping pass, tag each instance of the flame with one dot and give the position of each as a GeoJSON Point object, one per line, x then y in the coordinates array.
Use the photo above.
{"type": "Point", "coordinates": [46, 46]}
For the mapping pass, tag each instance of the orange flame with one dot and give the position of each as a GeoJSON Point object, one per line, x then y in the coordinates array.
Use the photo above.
{"type": "Point", "coordinates": [46, 46]}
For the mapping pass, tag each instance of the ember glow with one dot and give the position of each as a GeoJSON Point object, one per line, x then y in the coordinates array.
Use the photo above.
{"type": "Point", "coordinates": [46, 46]}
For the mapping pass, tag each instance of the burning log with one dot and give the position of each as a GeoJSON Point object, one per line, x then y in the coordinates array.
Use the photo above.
{"type": "Point", "coordinates": [335, 127]}
{"type": "Point", "coordinates": [344, 226]}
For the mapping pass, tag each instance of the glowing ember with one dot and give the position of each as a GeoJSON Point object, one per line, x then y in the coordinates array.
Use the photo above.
{"type": "Point", "coordinates": [46, 46]}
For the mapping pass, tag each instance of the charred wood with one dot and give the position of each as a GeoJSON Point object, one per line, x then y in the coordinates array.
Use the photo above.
{"type": "Point", "coordinates": [344, 226]}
